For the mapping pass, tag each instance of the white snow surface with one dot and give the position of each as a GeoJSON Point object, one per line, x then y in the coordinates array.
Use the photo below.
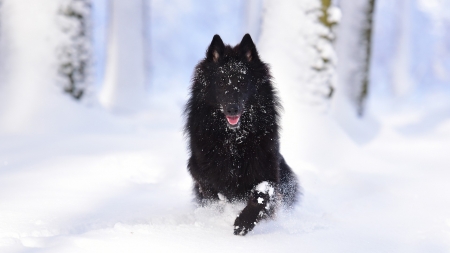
{"type": "Point", "coordinates": [76, 178]}
{"type": "Point", "coordinates": [130, 191]}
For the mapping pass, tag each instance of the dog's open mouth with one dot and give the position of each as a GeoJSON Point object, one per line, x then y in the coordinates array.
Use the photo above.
{"type": "Point", "coordinates": [233, 120]}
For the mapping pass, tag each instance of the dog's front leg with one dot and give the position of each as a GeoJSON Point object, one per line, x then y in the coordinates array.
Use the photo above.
{"type": "Point", "coordinates": [260, 205]}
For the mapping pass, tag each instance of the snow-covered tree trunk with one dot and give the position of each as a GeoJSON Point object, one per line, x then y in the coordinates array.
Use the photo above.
{"type": "Point", "coordinates": [329, 17]}
{"type": "Point", "coordinates": [403, 82]}
{"type": "Point", "coordinates": [367, 34]}
{"type": "Point", "coordinates": [353, 36]}
{"type": "Point", "coordinates": [124, 89]}
{"type": "Point", "coordinates": [353, 44]}
{"type": "Point", "coordinates": [0, 17]}
{"type": "Point", "coordinates": [75, 53]}
{"type": "Point", "coordinates": [1, 10]}
{"type": "Point", "coordinates": [253, 15]}
{"type": "Point", "coordinates": [30, 37]}
{"type": "Point", "coordinates": [1, 57]}
{"type": "Point", "coordinates": [298, 48]}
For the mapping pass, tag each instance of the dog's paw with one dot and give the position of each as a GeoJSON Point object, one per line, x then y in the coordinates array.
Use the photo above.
{"type": "Point", "coordinates": [243, 226]}
{"type": "Point", "coordinates": [240, 230]}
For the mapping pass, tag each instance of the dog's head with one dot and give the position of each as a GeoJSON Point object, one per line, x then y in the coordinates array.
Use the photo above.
{"type": "Point", "coordinates": [232, 81]}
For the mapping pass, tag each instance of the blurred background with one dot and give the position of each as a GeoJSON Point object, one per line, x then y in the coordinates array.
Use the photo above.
{"type": "Point", "coordinates": [128, 58]}
{"type": "Point", "coordinates": [92, 94]}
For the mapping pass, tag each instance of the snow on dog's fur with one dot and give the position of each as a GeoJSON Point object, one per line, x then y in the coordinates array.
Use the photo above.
{"type": "Point", "coordinates": [232, 126]}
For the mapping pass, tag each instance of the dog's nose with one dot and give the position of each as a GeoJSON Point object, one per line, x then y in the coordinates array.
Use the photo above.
{"type": "Point", "coordinates": [232, 109]}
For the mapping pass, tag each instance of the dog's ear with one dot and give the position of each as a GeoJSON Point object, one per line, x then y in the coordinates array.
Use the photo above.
{"type": "Point", "coordinates": [215, 50]}
{"type": "Point", "coordinates": [248, 49]}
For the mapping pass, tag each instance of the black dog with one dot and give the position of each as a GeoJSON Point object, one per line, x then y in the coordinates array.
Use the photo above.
{"type": "Point", "coordinates": [232, 126]}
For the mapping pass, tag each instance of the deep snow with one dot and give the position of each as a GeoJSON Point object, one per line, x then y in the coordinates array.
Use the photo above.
{"type": "Point", "coordinates": [115, 192]}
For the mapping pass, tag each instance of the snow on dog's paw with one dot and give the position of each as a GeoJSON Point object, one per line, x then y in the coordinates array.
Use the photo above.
{"type": "Point", "coordinates": [241, 230]}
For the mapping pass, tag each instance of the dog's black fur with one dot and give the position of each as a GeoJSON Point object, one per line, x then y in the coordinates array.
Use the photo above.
{"type": "Point", "coordinates": [231, 159]}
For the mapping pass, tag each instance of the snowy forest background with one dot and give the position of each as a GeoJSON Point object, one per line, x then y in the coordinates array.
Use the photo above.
{"type": "Point", "coordinates": [93, 158]}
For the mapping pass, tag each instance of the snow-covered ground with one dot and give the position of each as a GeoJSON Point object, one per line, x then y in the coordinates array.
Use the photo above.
{"type": "Point", "coordinates": [76, 178]}
{"type": "Point", "coordinates": [130, 191]}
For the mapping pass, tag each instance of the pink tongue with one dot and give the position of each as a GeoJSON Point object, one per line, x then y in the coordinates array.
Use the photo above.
{"type": "Point", "coordinates": [233, 120]}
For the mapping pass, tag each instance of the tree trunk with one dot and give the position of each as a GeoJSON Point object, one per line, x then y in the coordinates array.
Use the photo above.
{"type": "Point", "coordinates": [0, 18]}
{"type": "Point", "coordinates": [354, 40]}
{"type": "Point", "coordinates": [75, 53]}
{"type": "Point", "coordinates": [329, 17]}
{"type": "Point", "coordinates": [367, 34]}
{"type": "Point", "coordinates": [300, 51]}
{"type": "Point", "coordinates": [403, 83]}
{"type": "Point", "coordinates": [125, 81]}
{"type": "Point", "coordinates": [302, 60]}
